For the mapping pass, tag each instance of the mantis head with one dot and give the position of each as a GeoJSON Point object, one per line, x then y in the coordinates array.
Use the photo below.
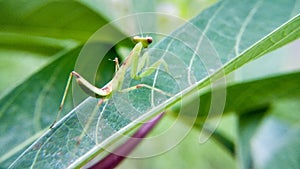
{"type": "Point", "coordinates": [144, 40]}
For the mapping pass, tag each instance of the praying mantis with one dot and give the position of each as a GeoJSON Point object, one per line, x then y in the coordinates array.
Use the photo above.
{"type": "Point", "coordinates": [134, 61]}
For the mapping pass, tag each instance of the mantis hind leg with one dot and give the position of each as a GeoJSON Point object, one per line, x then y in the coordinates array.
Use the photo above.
{"type": "Point", "coordinates": [89, 122]}
{"type": "Point", "coordinates": [86, 87]}
{"type": "Point", "coordinates": [62, 100]}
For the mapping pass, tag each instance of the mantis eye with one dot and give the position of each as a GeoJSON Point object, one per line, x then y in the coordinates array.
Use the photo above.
{"type": "Point", "coordinates": [149, 40]}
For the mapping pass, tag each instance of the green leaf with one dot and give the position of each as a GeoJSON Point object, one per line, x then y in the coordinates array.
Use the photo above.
{"type": "Point", "coordinates": [238, 31]}
{"type": "Point", "coordinates": [60, 19]}
{"type": "Point", "coordinates": [275, 145]}
{"type": "Point", "coordinates": [262, 92]}
{"type": "Point", "coordinates": [270, 141]}
{"type": "Point", "coordinates": [21, 52]}
{"type": "Point", "coordinates": [250, 100]}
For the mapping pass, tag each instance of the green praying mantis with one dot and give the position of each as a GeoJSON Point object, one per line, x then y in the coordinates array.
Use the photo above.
{"type": "Point", "coordinates": [134, 60]}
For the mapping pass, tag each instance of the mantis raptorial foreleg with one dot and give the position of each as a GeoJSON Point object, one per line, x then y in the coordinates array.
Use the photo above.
{"type": "Point", "coordinates": [133, 61]}
{"type": "Point", "coordinates": [150, 69]}
{"type": "Point", "coordinates": [117, 66]}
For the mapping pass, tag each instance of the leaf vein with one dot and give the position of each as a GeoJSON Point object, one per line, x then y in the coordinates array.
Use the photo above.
{"type": "Point", "coordinates": [244, 26]}
{"type": "Point", "coordinates": [200, 40]}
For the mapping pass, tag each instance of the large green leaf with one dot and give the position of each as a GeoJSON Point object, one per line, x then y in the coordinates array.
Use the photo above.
{"type": "Point", "coordinates": [235, 30]}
